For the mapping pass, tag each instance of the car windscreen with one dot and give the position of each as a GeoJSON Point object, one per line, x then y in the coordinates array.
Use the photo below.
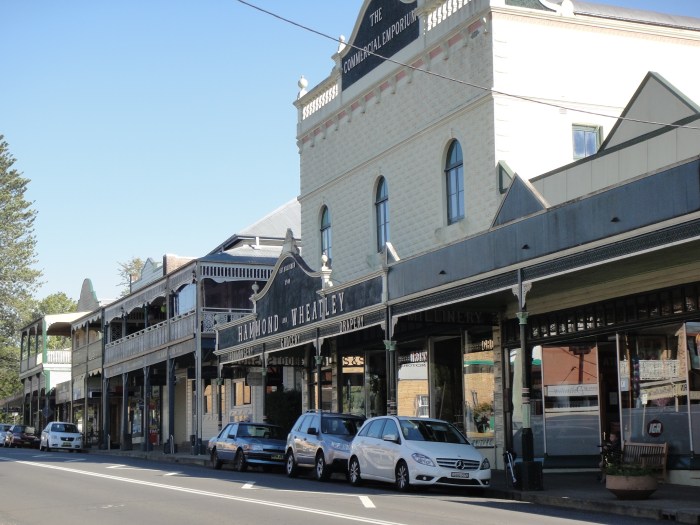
{"type": "Point", "coordinates": [261, 431]}
{"type": "Point", "coordinates": [65, 427]}
{"type": "Point", "coordinates": [426, 430]}
{"type": "Point", "coordinates": [340, 426]}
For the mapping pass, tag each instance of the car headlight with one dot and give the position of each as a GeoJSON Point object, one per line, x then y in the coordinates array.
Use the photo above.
{"type": "Point", "coordinates": [341, 445]}
{"type": "Point", "coordinates": [249, 446]}
{"type": "Point", "coordinates": [422, 459]}
{"type": "Point", "coordinates": [485, 465]}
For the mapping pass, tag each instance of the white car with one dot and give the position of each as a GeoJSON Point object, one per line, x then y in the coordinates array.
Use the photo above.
{"type": "Point", "coordinates": [409, 451]}
{"type": "Point", "coordinates": [61, 435]}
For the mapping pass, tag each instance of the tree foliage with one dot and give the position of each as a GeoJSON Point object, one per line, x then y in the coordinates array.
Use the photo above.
{"type": "Point", "coordinates": [129, 272]}
{"type": "Point", "coordinates": [57, 303]}
{"type": "Point", "coordinates": [18, 279]}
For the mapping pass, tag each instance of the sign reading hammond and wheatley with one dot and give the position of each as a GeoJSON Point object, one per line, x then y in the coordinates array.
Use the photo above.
{"type": "Point", "coordinates": [387, 27]}
{"type": "Point", "coordinates": [292, 301]}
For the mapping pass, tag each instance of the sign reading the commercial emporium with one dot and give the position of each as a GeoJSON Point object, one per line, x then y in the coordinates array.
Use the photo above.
{"type": "Point", "coordinates": [292, 300]}
{"type": "Point", "coordinates": [387, 26]}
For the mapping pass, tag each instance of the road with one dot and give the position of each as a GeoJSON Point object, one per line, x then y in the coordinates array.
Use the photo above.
{"type": "Point", "coordinates": [61, 488]}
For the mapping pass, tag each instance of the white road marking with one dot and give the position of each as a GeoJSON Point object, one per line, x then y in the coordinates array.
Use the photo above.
{"type": "Point", "coordinates": [367, 502]}
{"type": "Point", "coordinates": [363, 499]}
{"type": "Point", "coordinates": [172, 474]}
{"type": "Point", "coordinates": [275, 504]}
{"type": "Point", "coordinates": [124, 467]}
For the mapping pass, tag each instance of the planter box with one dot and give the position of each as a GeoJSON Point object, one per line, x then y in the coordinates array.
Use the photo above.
{"type": "Point", "coordinates": [631, 487]}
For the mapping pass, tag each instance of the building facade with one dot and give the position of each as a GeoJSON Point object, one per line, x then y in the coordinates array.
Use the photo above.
{"type": "Point", "coordinates": [139, 372]}
{"type": "Point", "coordinates": [434, 204]}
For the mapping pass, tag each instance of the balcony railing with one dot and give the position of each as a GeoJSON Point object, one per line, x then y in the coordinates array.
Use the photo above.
{"type": "Point", "coordinates": [159, 335]}
{"type": "Point", "coordinates": [212, 317]}
{"type": "Point", "coordinates": [53, 357]}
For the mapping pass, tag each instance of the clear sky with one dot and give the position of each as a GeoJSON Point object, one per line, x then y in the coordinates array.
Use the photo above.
{"type": "Point", "coordinates": [161, 126]}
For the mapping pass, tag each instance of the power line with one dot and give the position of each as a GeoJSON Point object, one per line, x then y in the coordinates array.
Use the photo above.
{"type": "Point", "coordinates": [464, 82]}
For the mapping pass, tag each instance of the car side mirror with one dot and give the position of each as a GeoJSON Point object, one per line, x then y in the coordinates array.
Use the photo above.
{"type": "Point", "coordinates": [391, 437]}
{"type": "Point", "coordinates": [313, 430]}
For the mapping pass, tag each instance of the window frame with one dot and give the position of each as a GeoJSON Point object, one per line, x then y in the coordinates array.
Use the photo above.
{"type": "Point", "coordinates": [381, 209]}
{"type": "Point", "coordinates": [326, 233]}
{"type": "Point", "coordinates": [454, 182]}
{"type": "Point", "coordinates": [585, 129]}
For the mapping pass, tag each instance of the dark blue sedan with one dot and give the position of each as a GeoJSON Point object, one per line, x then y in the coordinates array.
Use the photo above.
{"type": "Point", "coordinates": [246, 444]}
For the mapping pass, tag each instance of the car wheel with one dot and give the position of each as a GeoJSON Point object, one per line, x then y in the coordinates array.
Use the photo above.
{"type": "Point", "coordinates": [354, 472]}
{"type": "Point", "coordinates": [290, 465]}
{"type": "Point", "coordinates": [216, 463]}
{"type": "Point", "coordinates": [239, 463]}
{"type": "Point", "coordinates": [402, 482]}
{"type": "Point", "coordinates": [322, 470]}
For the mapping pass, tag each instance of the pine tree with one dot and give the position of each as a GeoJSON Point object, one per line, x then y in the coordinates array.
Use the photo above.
{"type": "Point", "coordinates": [18, 278]}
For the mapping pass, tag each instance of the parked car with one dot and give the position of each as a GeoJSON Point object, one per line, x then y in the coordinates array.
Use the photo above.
{"type": "Point", "coordinates": [21, 436]}
{"type": "Point", "coordinates": [409, 451]}
{"type": "Point", "coordinates": [321, 441]}
{"type": "Point", "coordinates": [4, 427]}
{"type": "Point", "coordinates": [61, 435]}
{"type": "Point", "coordinates": [244, 444]}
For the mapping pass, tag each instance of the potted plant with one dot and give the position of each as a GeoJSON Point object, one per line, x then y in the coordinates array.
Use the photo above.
{"type": "Point", "coordinates": [630, 481]}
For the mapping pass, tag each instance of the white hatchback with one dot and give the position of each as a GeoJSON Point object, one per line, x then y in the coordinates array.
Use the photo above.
{"type": "Point", "coordinates": [409, 451]}
{"type": "Point", "coordinates": [61, 435]}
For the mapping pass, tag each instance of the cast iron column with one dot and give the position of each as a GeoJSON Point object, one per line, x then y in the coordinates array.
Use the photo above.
{"type": "Point", "coordinates": [530, 477]}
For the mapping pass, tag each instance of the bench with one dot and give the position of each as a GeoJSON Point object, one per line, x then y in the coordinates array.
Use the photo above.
{"type": "Point", "coordinates": [651, 455]}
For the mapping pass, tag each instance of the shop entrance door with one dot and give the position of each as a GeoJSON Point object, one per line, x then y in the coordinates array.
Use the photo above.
{"type": "Point", "coordinates": [609, 399]}
{"type": "Point", "coordinates": [364, 383]}
{"type": "Point", "coordinates": [446, 380]}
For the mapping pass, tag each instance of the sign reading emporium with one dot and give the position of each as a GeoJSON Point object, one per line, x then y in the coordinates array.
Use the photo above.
{"type": "Point", "coordinates": [387, 27]}
{"type": "Point", "coordinates": [292, 301]}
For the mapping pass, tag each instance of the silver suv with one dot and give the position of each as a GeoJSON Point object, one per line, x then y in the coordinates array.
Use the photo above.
{"type": "Point", "coordinates": [321, 440]}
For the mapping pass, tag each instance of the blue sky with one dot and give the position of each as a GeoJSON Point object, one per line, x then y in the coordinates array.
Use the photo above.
{"type": "Point", "coordinates": [162, 126]}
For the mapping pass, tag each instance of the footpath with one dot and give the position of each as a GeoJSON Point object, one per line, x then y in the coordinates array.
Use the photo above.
{"type": "Point", "coordinates": [574, 490]}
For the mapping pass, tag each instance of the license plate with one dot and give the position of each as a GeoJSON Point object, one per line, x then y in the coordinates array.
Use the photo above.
{"type": "Point", "coordinates": [277, 457]}
{"type": "Point", "coordinates": [65, 444]}
{"type": "Point", "coordinates": [464, 475]}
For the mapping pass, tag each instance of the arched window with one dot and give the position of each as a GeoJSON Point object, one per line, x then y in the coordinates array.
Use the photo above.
{"type": "Point", "coordinates": [326, 232]}
{"type": "Point", "coordinates": [454, 181]}
{"type": "Point", "coordinates": [381, 204]}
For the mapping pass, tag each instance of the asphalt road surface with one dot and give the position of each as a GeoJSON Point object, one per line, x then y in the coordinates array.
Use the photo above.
{"type": "Point", "coordinates": [62, 488]}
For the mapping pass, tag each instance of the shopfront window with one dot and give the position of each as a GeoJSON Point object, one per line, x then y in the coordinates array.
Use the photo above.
{"type": "Point", "coordinates": [413, 390]}
{"type": "Point", "coordinates": [656, 372]}
{"type": "Point", "coordinates": [570, 393]}
{"type": "Point", "coordinates": [479, 423]}
{"type": "Point", "coordinates": [353, 398]}
{"type": "Point", "coordinates": [690, 336]}
{"type": "Point", "coordinates": [535, 410]}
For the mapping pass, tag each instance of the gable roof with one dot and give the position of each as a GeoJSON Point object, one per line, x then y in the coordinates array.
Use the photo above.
{"type": "Point", "coordinates": [521, 199]}
{"type": "Point", "coordinates": [655, 101]}
{"type": "Point", "coordinates": [273, 226]}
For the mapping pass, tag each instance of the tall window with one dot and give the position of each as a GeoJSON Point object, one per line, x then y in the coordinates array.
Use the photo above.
{"type": "Point", "coordinates": [381, 204]}
{"type": "Point", "coordinates": [326, 233]}
{"type": "Point", "coordinates": [454, 178]}
{"type": "Point", "coordinates": [586, 140]}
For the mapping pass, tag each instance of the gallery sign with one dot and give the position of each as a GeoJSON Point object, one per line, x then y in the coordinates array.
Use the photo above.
{"type": "Point", "coordinates": [387, 26]}
{"type": "Point", "coordinates": [293, 300]}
